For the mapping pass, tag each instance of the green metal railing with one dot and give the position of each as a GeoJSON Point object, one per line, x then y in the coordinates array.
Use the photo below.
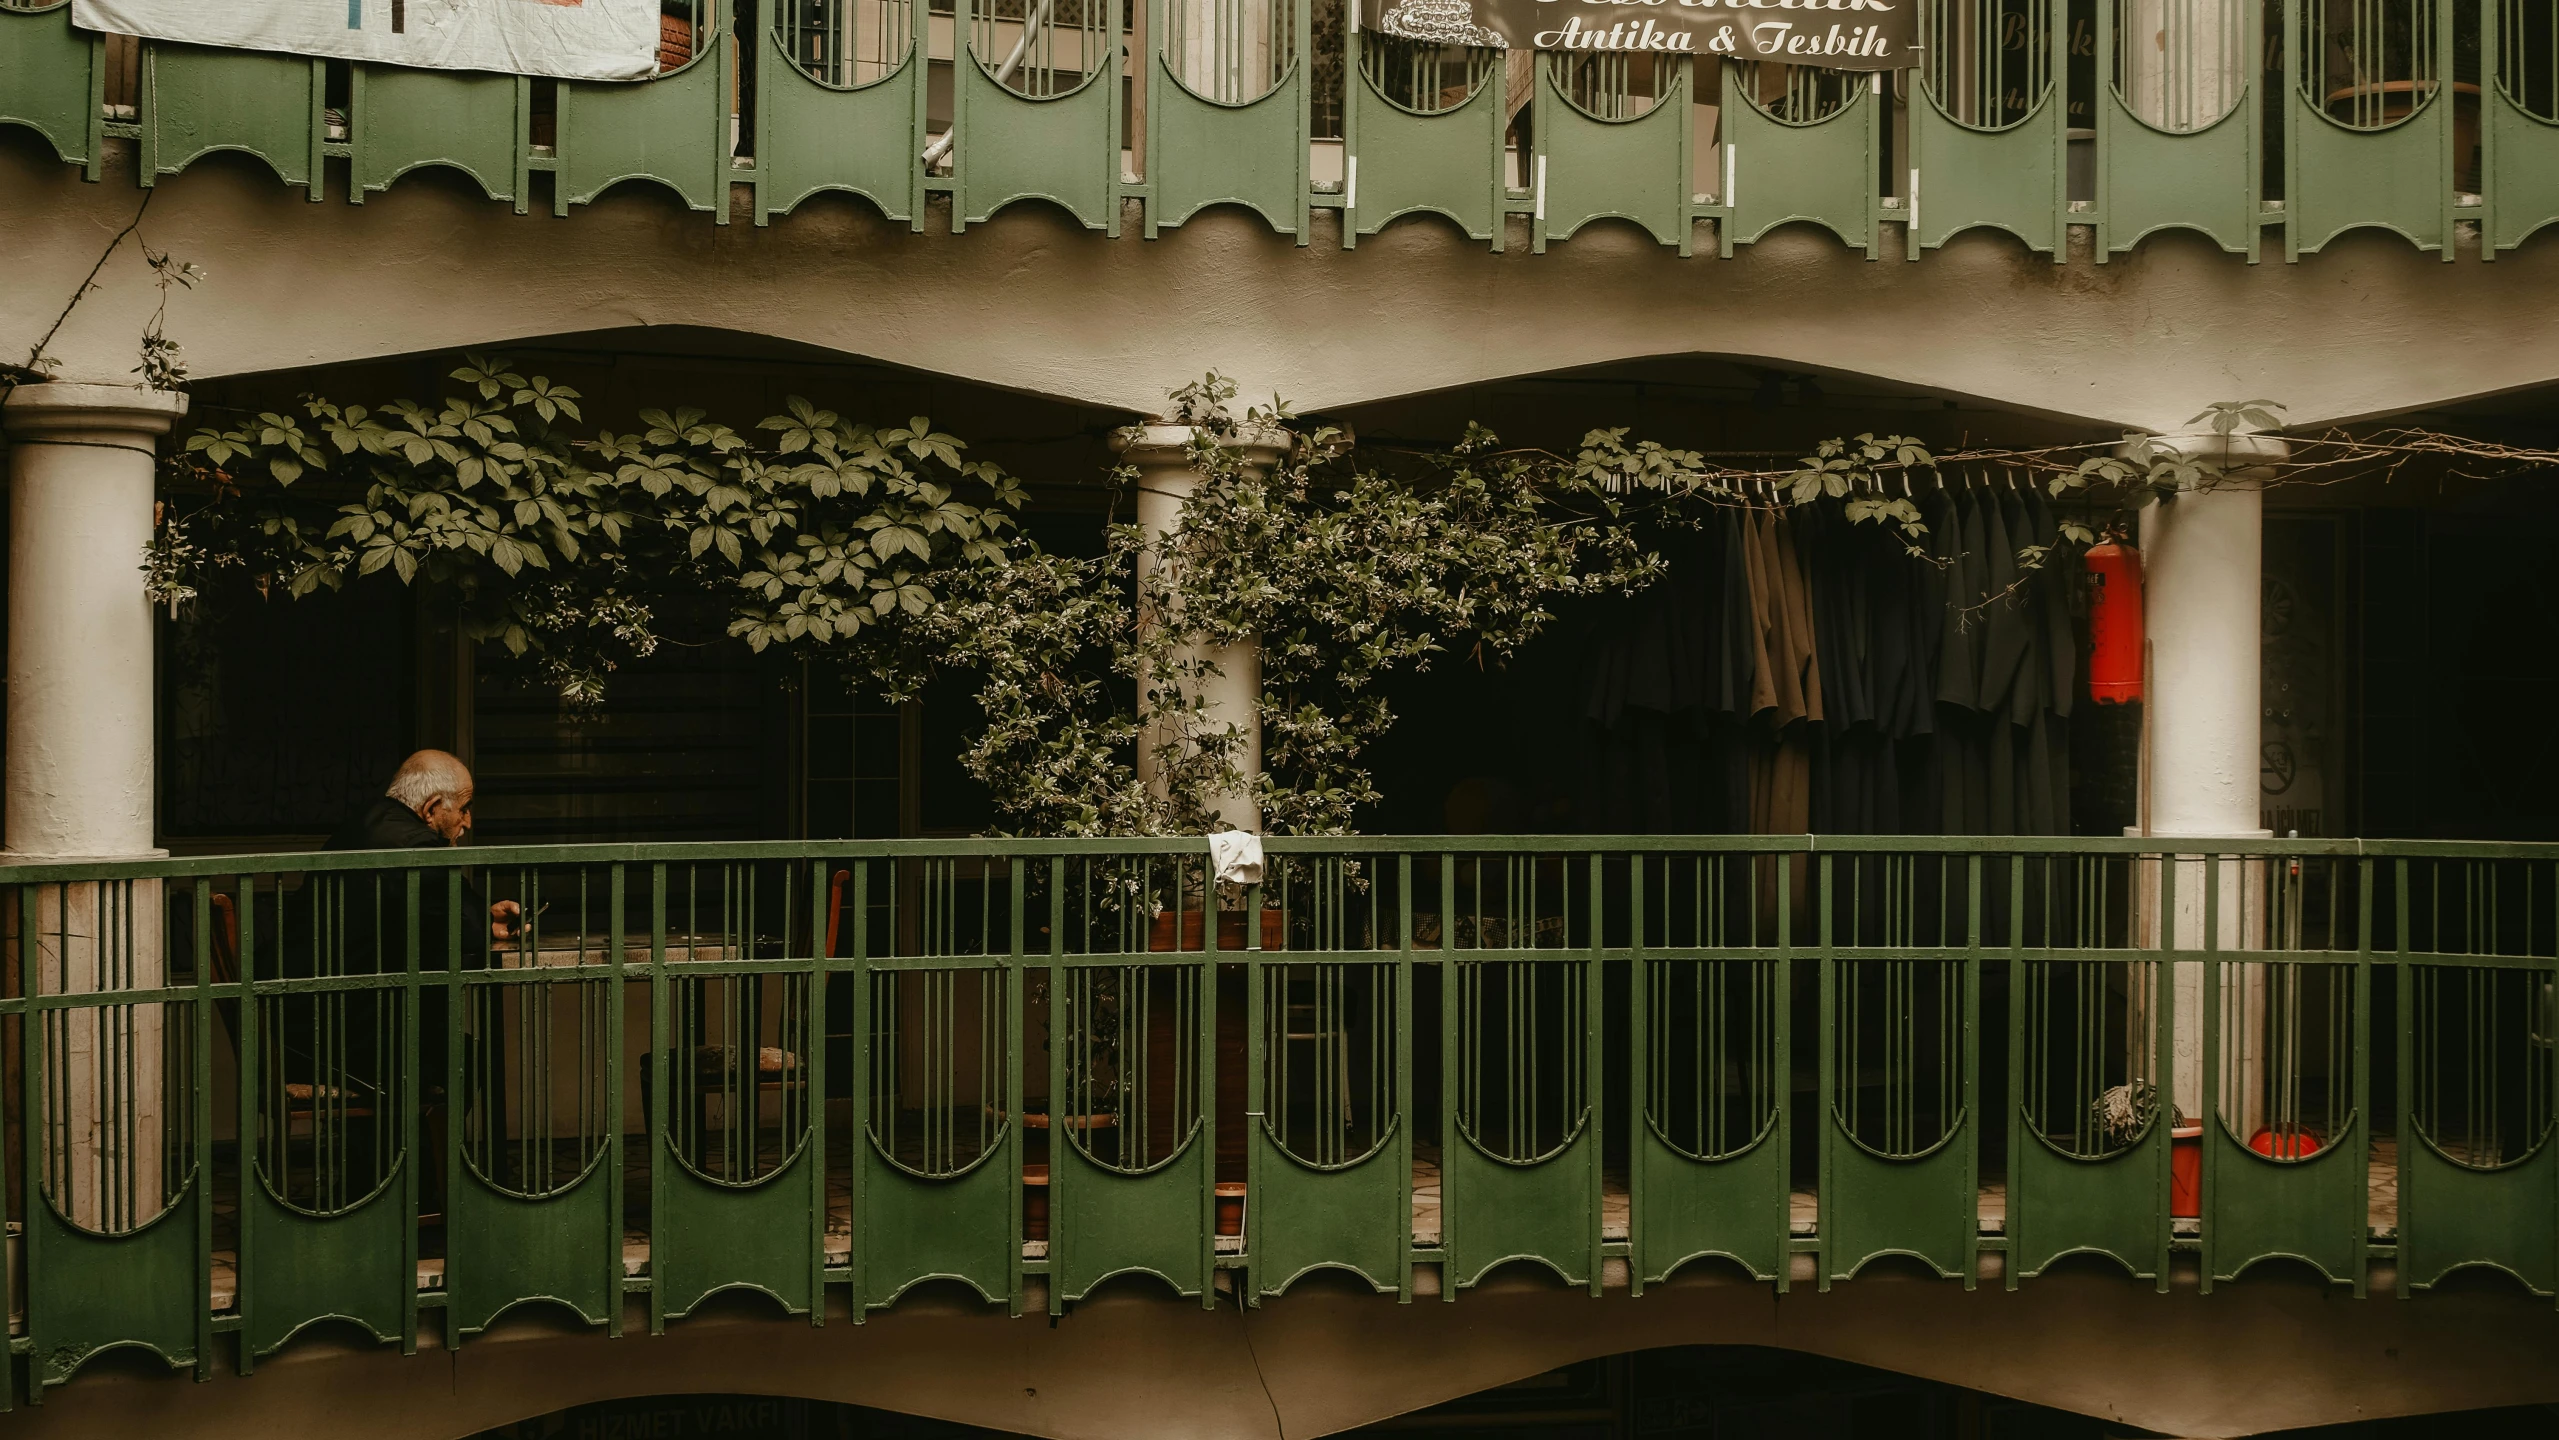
{"type": "Point", "coordinates": [2407, 115]}
{"type": "Point", "coordinates": [261, 1095]}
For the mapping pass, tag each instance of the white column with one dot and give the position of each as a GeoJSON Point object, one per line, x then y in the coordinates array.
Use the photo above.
{"type": "Point", "coordinates": [1231, 698]}
{"type": "Point", "coordinates": [2203, 558]}
{"type": "Point", "coordinates": [1221, 48]}
{"type": "Point", "coordinates": [82, 460]}
{"type": "Point", "coordinates": [79, 776]}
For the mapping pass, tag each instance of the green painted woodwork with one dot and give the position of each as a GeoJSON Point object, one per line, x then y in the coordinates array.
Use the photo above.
{"type": "Point", "coordinates": [196, 100]}
{"type": "Point", "coordinates": [914, 1228]}
{"type": "Point", "coordinates": [2259, 1208]}
{"type": "Point", "coordinates": [297, 1270]}
{"type": "Point", "coordinates": [1687, 1209]}
{"type": "Point", "coordinates": [707, 1237]}
{"type": "Point", "coordinates": [2060, 1205]}
{"type": "Point", "coordinates": [864, 140]}
{"type": "Point", "coordinates": [1304, 1218]}
{"type": "Point", "coordinates": [2008, 179]}
{"type": "Point", "coordinates": [1494, 1212]}
{"type": "Point", "coordinates": [2521, 162]}
{"type": "Point", "coordinates": [406, 120]}
{"type": "Point", "coordinates": [147, 1290]}
{"type": "Point", "coordinates": [1106, 1221]}
{"type": "Point", "coordinates": [1402, 162]}
{"type": "Point", "coordinates": [52, 80]}
{"type": "Point", "coordinates": [507, 1250]}
{"type": "Point", "coordinates": [2339, 178]}
{"type": "Point", "coordinates": [2453, 1216]}
{"type": "Point", "coordinates": [1589, 168]}
{"type": "Point", "coordinates": [1494, 1209]}
{"type": "Point", "coordinates": [1201, 152]}
{"type": "Point", "coordinates": [673, 130]}
{"type": "Point", "coordinates": [1103, 1223]}
{"type": "Point", "coordinates": [909, 1226]}
{"type": "Point", "coordinates": [1065, 149]}
{"type": "Point", "coordinates": [1777, 172]}
{"type": "Point", "coordinates": [1874, 1205]}
{"type": "Point", "coordinates": [2151, 180]}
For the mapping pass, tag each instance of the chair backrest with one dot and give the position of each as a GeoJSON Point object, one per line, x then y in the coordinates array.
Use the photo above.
{"type": "Point", "coordinates": [835, 908]}
{"type": "Point", "coordinates": [226, 961]}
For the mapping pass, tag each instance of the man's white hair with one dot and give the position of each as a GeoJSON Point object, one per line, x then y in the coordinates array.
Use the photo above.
{"type": "Point", "coordinates": [429, 776]}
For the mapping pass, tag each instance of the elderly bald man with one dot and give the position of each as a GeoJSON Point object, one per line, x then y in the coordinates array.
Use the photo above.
{"type": "Point", "coordinates": [427, 806]}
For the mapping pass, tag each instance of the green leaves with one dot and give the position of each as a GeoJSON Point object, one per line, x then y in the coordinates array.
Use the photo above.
{"type": "Point", "coordinates": [564, 548]}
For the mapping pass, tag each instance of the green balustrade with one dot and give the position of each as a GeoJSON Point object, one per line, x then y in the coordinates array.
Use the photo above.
{"type": "Point", "coordinates": [1229, 125]}
{"type": "Point", "coordinates": [651, 1076]}
{"type": "Point", "coordinates": [2382, 122]}
{"type": "Point", "coordinates": [197, 99]}
{"type": "Point", "coordinates": [1605, 151]}
{"type": "Point", "coordinates": [832, 121]}
{"type": "Point", "coordinates": [2519, 131]}
{"type": "Point", "coordinates": [2368, 128]}
{"type": "Point", "coordinates": [1050, 129]}
{"type": "Point", "coordinates": [53, 81]}
{"type": "Point", "coordinates": [1798, 145]}
{"type": "Point", "coordinates": [673, 130]}
{"type": "Point", "coordinates": [1437, 150]}
{"type": "Point", "coordinates": [405, 120]}
{"type": "Point", "coordinates": [1988, 124]}
{"type": "Point", "coordinates": [2180, 135]}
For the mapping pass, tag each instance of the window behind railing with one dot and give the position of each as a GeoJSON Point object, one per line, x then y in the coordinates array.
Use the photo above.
{"type": "Point", "coordinates": [845, 42]}
{"type": "Point", "coordinates": [1987, 63]}
{"type": "Point", "coordinates": [1425, 77]}
{"type": "Point", "coordinates": [2180, 65]}
{"type": "Point", "coordinates": [1231, 51]}
{"type": "Point", "coordinates": [2528, 56]}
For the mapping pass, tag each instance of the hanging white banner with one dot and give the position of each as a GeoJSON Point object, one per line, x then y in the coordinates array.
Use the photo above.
{"type": "Point", "coordinates": [570, 39]}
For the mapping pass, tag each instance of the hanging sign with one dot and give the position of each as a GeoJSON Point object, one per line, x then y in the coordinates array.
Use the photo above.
{"type": "Point", "coordinates": [1823, 34]}
{"type": "Point", "coordinates": [569, 39]}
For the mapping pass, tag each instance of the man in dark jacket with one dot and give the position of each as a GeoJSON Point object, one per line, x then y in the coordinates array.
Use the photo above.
{"type": "Point", "coordinates": [427, 806]}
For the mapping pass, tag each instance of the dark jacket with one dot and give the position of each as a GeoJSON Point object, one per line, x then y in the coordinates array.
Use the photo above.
{"type": "Point", "coordinates": [376, 902]}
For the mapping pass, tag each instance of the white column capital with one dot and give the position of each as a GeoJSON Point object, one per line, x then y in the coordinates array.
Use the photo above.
{"type": "Point", "coordinates": [1168, 447]}
{"type": "Point", "coordinates": [77, 411]}
{"type": "Point", "coordinates": [2241, 455]}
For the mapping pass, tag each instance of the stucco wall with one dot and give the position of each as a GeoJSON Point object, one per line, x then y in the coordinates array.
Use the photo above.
{"type": "Point", "coordinates": [2274, 1351]}
{"type": "Point", "coordinates": [1031, 302]}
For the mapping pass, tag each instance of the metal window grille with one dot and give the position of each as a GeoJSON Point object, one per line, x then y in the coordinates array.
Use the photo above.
{"type": "Point", "coordinates": [738, 1103]}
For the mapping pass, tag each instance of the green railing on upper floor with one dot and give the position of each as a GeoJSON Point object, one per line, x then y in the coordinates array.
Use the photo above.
{"type": "Point", "coordinates": [254, 1095]}
{"type": "Point", "coordinates": [2228, 118]}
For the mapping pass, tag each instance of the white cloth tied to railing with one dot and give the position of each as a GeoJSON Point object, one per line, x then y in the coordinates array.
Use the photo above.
{"type": "Point", "coordinates": [1236, 856]}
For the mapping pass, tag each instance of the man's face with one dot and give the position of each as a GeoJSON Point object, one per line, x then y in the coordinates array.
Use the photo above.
{"type": "Point", "coordinates": [450, 818]}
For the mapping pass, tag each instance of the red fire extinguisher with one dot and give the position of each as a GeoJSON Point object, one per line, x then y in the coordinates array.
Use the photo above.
{"type": "Point", "coordinates": [2114, 622]}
